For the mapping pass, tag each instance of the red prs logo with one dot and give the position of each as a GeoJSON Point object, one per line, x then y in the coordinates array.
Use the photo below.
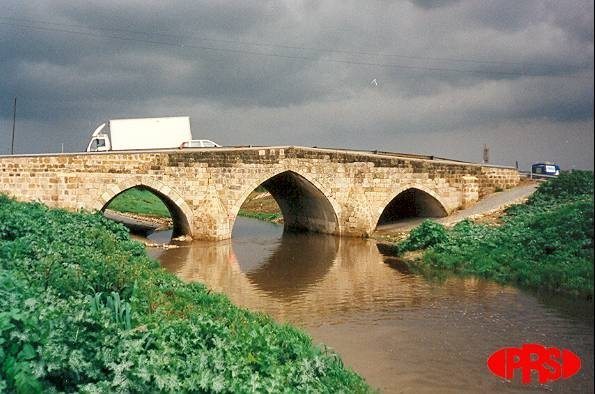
{"type": "Point", "coordinates": [550, 363]}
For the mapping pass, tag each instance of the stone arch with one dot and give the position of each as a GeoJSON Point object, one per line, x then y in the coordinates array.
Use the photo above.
{"type": "Point", "coordinates": [410, 201]}
{"type": "Point", "coordinates": [304, 202]}
{"type": "Point", "coordinates": [179, 210]}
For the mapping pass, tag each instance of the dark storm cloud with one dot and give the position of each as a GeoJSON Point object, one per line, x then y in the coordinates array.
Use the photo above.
{"type": "Point", "coordinates": [299, 72]}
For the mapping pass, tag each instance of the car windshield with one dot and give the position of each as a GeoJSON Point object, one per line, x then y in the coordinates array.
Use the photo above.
{"type": "Point", "coordinates": [200, 144]}
{"type": "Point", "coordinates": [97, 143]}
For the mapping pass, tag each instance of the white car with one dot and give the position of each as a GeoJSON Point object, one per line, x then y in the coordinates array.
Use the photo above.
{"type": "Point", "coordinates": [199, 144]}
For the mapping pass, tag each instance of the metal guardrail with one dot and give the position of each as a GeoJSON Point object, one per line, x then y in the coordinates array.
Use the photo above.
{"type": "Point", "coordinates": [542, 176]}
{"type": "Point", "coordinates": [536, 176]}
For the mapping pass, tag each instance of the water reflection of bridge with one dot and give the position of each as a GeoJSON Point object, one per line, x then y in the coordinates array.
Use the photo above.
{"type": "Point", "coordinates": [303, 277]}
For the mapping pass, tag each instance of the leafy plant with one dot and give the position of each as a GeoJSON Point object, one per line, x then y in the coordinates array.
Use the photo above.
{"type": "Point", "coordinates": [83, 309]}
{"type": "Point", "coordinates": [426, 235]}
{"type": "Point", "coordinates": [568, 185]}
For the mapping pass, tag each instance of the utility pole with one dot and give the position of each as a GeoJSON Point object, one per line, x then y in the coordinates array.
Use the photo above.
{"type": "Point", "coordinates": [14, 118]}
{"type": "Point", "coordinates": [486, 154]}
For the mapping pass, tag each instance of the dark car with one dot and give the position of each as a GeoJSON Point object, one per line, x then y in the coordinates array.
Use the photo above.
{"type": "Point", "coordinates": [545, 169]}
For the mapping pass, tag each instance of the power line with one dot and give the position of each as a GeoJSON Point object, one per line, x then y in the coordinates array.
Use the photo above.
{"type": "Point", "coordinates": [293, 47]}
{"type": "Point", "coordinates": [268, 54]}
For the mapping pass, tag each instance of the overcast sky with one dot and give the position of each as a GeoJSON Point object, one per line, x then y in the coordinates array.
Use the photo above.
{"type": "Point", "coordinates": [421, 76]}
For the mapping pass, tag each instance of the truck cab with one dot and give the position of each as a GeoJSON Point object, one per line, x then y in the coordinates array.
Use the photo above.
{"type": "Point", "coordinates": [99, 141]}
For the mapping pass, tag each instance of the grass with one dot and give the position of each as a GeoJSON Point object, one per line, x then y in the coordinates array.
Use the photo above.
{"type": "Point", "coordinates": [83, 309]}
{"type": "Point", "coordinates": [264, 216]}
{"type": "Point", "coordinates": [545, 244]}
{"type": "Point", "coordinates": [262, 207]}
{"type": "Point", "coordinates": [139, 201]}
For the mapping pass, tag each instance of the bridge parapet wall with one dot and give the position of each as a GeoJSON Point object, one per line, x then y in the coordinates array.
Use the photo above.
{"type": "Point", "coordinates": [492, 178]}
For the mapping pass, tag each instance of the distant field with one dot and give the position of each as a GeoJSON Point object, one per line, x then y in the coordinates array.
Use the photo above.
{"type": "Point", "coordinates": [139, 201]}
{"type": "Point", "coordinates": [261, 205]}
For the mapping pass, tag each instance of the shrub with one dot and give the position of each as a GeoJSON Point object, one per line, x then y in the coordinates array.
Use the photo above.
{"type": "Point", "coordinates": [426, 235]}
{"type": "Point", "coordinates": [567, 186]}
{"type": "Point", "coordinates": [545, 244]}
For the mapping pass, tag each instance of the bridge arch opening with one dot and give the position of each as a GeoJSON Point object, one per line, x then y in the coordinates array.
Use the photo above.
{"type": "Point", "coordinates": [410, 204]}
{"type": "Point", "coordinates": [297, 203]}
{"type": "Point", "coordinates": [145, 210]}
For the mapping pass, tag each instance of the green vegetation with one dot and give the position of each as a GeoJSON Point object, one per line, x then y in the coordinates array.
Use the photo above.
{"type": "Point", "coordinates": [264, 216]}
{"type": "Point", "coordinates": [139, 201]}
{"type": "Point", "coordinates": [262, 206]}
{"type": "Point", "coordinates": [545, 244]}
{"type": "Point", "coordinates": [82, 308]}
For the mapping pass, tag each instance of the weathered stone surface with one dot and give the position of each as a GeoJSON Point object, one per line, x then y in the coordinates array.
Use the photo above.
{"type": "Point", "coordinates": [338, 192]}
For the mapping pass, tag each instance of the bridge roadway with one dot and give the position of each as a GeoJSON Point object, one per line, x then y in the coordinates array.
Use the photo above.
{"type": "Point", "coordinates": [332, 191]}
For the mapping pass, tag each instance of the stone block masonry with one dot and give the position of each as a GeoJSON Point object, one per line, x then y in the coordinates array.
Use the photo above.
{"type": "Point", "coordinates": [323, 190]}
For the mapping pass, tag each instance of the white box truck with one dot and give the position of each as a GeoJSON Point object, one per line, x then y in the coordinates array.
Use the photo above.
{"type": "Point", "coordinates": [144, 133]}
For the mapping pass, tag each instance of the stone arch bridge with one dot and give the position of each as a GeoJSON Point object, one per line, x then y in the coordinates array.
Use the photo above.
{"type": "Point", "coordinates": [329, 191]}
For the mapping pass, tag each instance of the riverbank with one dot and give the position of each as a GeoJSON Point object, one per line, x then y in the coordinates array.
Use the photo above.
{"type": "Point", "coordinates": [262, 206]}
{"type": "Point", "coordinates": [545, 244]}
{"type": "Point", "coordinates": [489, 210]}
{"type": "Point", "coordinates": [85, 309]}
{"type": "Point", "coordinates": [139, 224]}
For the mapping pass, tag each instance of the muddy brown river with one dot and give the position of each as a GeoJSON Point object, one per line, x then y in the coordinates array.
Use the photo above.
{"type": "Point", "coordinates": [402, 332]}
